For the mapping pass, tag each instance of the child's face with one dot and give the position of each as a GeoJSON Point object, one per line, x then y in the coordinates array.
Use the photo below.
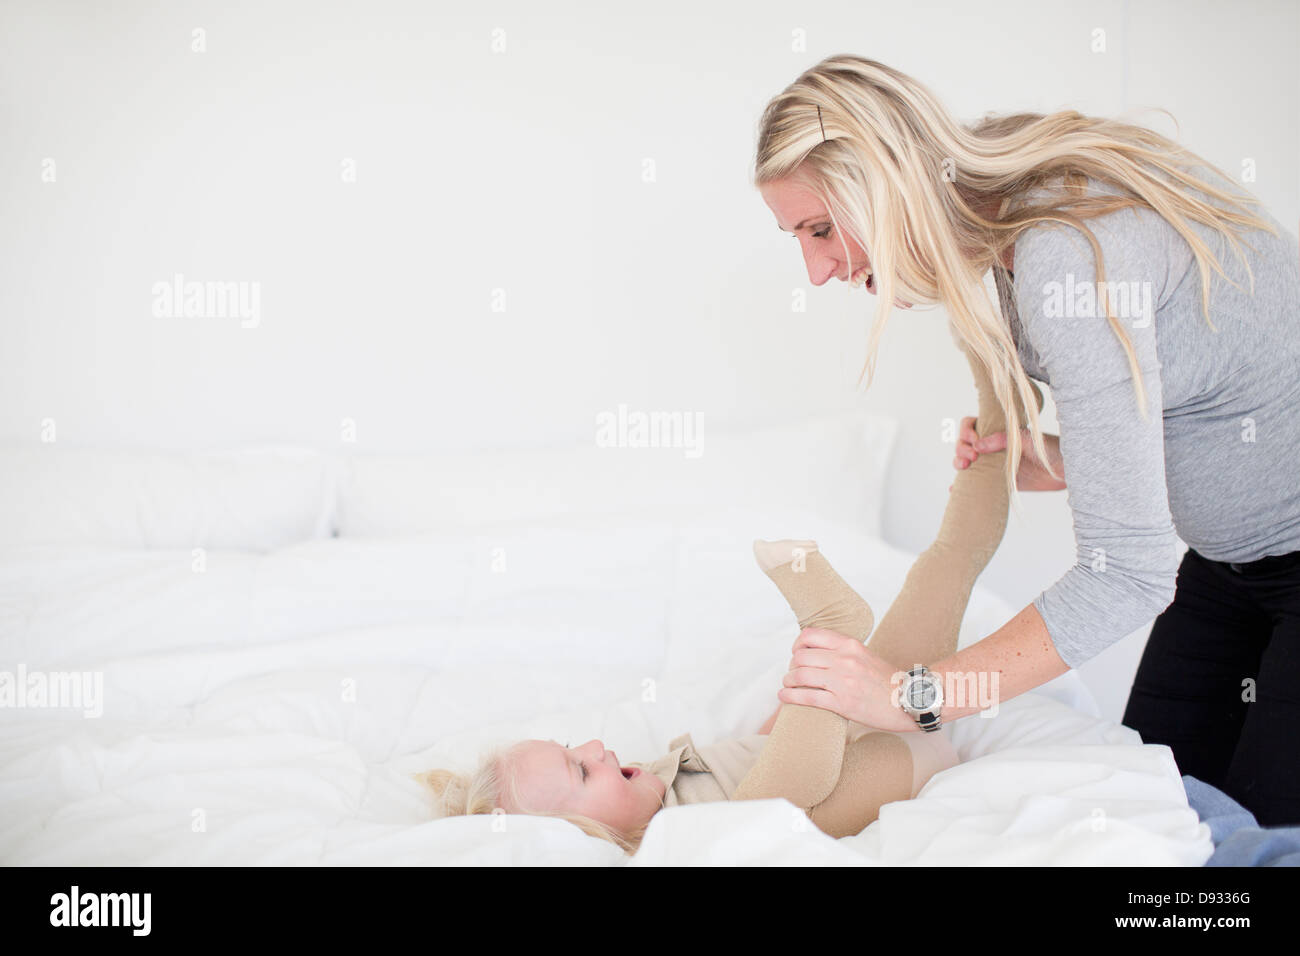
{"type": "Point", "coordinates": [586, 780]}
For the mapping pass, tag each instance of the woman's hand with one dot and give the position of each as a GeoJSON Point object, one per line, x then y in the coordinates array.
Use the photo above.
{"type": "Point", "coordinates": [837, 673]}
{"type": "Point", "coordinates": [1031, 475]}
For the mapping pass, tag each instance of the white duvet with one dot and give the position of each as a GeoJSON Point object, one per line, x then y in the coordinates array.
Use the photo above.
{"type": "Point", "coordinates": [270, 708]}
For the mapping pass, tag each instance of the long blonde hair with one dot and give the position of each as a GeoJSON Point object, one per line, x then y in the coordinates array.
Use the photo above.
{"type": "Point", "coordinates": [898, 174]}
{"type": "Point", "coordinates": [493, 788]}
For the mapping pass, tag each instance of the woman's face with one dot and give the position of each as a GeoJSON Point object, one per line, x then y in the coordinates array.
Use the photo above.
{"type": "Point", "coordinates": [800, 212]}
{"type": "Point", "coordinates": [586, 780]}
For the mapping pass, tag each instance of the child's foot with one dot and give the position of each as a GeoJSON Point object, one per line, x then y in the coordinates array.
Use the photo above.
{"type": "Point", "coordinates": [773, 554]}
{"type": "Point", "coordinates": [818, 596]}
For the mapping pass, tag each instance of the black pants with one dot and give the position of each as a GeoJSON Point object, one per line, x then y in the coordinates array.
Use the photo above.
{"type": "Point", "coordinates": [1219, 681]}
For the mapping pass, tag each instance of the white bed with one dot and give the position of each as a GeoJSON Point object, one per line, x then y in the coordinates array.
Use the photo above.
{"type": "Point", "coordinates": [268, 704]}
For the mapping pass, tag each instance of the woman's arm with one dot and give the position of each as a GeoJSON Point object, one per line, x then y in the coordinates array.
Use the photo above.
{"type": "Point", "coordinates": [1017, 657]}
{"type": "Point", "coordinates": [1031, 476]}
{"type": "Point", "coordinates": [839, 674]}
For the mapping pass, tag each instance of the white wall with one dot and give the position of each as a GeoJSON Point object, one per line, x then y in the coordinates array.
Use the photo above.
{"type": "Point", "coordinates": [518, 173]}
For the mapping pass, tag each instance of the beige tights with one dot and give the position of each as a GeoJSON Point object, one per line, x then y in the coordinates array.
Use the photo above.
{"type": "Point", "coordinates": [815, 758]}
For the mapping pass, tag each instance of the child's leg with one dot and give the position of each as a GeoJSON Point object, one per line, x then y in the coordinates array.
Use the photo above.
{"type": "Point", "coordinates": [922, 624]}
{"type": "Point", "coordinates": [880, 768]}
{"type": "Point", "coordinates": [805, 759]}
{"type": "Point", "coordinates": [802, 758]}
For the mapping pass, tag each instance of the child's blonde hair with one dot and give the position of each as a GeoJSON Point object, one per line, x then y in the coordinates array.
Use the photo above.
{"type": "Point", "coordinates": [482, 791]}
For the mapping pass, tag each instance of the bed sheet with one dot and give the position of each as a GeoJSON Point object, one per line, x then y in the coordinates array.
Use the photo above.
{"type": "Point", "coordinates": [272, 708]}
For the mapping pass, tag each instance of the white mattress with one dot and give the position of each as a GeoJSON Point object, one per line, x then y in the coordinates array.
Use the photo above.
{"type": "Point", "coordinates": [270, 708]}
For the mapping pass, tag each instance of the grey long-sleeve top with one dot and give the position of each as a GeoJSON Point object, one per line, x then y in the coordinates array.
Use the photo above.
{"type": "Point", "coordinates": [1216, 464]}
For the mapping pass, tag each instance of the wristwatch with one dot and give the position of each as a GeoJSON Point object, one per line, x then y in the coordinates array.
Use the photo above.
{"type": "Point", "coordinates": [921, 695]}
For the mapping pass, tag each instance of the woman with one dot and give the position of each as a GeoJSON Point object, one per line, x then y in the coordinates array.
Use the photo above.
{"type": "Point", "coordinates": [1176, 392]}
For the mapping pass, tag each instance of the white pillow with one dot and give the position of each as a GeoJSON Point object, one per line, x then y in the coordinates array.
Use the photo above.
{"type": "Point", "coordinates": [247, 499]}
{"type": "Point", "coordinates": [833, 465]}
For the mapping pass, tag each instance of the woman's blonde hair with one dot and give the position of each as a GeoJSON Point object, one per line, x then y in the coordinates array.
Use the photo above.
{"type": "Point", "coordinates": [898, 174]}
{"type": "Point", "coordinates": [493, 788]}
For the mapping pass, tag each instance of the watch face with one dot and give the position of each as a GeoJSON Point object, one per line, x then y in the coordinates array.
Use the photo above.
{"type": "Point", "coordinates": [921, 694]}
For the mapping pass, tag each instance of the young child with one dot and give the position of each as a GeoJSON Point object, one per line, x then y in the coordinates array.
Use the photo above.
{"type": "Point", "coordinates": [840, 773]}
